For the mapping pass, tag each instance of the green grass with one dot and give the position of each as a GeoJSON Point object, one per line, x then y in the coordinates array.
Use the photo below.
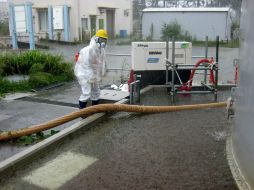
{"type": "Point", "coordinates": [230, 44]}
{"type": "Point", "coordinates": [7, 86]}
{"type": "Point", "coordinates": [43, 69]}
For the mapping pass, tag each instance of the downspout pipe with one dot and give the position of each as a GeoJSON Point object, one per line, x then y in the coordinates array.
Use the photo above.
{"type": "Point", "coordinates": [66, 23]}
{"type": "Point", "coordinates": [30, 25]}
{"type": "Point", "coordinates": [12, 23]}
{"type": "Point", "coordinates": [50, 23]}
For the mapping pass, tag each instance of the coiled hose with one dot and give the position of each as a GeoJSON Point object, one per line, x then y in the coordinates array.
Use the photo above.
{"type": "Point", "coordinates": [103, 108]}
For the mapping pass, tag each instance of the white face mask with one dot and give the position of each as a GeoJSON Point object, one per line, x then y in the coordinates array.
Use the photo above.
{"type": "Point", "coordinates": [103, 45]}
{"type": "Point", "coordinates": [100, 43]}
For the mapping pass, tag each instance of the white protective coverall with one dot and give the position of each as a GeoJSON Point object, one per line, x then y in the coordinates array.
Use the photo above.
{"type": "Point", "coordinates": [89, 69]}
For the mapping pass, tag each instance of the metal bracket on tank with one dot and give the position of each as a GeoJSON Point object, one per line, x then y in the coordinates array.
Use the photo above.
{"type": "Point", "coordinates": [231, 103]}
{"type": "Point", "coordinates": [135, 91]}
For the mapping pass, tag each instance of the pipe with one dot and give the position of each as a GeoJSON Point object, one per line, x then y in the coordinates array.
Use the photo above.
{"type": "Point", "coordinates": [216, 68]}
{"type": "Point", "coordinates": [196, 67]}
{"type": "Point", "coordinates": [194, 92]}
{"type": "Point", "coordinates": [167, 62]}
{"type": "Point", "coordinates": [206, 56]}
{"type": "Point", "coordinates": [115, 54]}
{"type": "Point", "coordinates": [103, 108]}
{"type": "Point", "coordinates": [173, 70]}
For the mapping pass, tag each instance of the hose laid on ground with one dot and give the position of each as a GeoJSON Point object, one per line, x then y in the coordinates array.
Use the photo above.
{"type": "Point", "coordinates": [103, 108]}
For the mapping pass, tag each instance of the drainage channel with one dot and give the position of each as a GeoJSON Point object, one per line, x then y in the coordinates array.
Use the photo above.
{"type": "Point", "coordinates": [178, 150]}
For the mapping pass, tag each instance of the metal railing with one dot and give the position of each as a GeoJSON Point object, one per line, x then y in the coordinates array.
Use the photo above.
{"type": "Point", "coordinates": [174, 68]}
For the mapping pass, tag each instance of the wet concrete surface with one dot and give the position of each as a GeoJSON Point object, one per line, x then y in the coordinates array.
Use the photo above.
{"type": "Point", "coordinates": [44, 106]}
{"type": "Point", "coordinates": [67, 93]}
{"type": "Point", "coordinates": [19, 114]}
{"type": "Point", "coordinates": [178, 150]}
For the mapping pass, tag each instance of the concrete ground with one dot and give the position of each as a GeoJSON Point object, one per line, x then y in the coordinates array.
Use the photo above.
{"type": "Point", "coordinates": [28, 111]}
{"type": "Point", "coordinates": [178, 150]}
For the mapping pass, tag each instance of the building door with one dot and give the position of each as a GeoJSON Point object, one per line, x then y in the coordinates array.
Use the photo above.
{"type": "Point", "coordinates": [43, 20]}
{"type": "Point", "coordinates": [111, 23]}
{"type": "Point", "coordinates": [84, 26]}
{"type": "Point", "coordinates": [93, 25]}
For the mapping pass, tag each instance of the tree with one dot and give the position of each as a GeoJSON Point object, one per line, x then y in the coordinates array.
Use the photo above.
{"type": "Point", "coordinates": [4, 28]}
{"type": "Point", "coordinates": [170, 30]}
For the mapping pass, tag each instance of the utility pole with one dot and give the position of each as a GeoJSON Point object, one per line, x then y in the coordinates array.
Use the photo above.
{"type": "Point", "coordinates": [164, 3]}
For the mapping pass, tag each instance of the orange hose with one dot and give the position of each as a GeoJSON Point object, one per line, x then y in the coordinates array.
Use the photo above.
{"type": "Point", "coordinates": [103, 108]}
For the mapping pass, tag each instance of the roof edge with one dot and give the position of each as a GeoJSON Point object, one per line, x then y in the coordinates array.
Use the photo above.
{"type": "Point", "coordinates": [212, 9]}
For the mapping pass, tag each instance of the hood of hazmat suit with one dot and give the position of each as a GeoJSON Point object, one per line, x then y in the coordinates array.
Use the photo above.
{"type": "Point", "coordinates": [90, 65]}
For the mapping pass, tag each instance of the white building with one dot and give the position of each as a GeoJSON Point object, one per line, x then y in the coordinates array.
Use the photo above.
{"type": "Point", "coordinates": [199, 22]}
{"type": "Point", "coordinates": [84, 17]}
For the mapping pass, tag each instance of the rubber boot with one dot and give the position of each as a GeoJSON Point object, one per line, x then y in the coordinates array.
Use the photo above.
{"type": "Point", "coordinates": [82, 104]}
{"type": "Point", "coordinates": [95, 102]}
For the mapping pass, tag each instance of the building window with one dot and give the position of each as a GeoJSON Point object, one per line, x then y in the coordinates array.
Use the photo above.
{"type": "Point", "coordinates": [43, 20]}
{"type": "Point", "coordinates": [101, 23]}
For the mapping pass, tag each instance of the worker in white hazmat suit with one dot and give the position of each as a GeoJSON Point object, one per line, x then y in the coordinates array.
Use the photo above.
{"type": "Point", "coordinates": [89, 68]}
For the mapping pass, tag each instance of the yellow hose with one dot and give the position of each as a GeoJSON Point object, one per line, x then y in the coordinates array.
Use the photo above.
{"type": "Point", "coordinates": [103, 108]}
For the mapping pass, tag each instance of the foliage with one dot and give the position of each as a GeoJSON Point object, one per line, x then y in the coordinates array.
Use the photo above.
{"type": "Point", "coordinates": [150, 37]}
{"type": "Point", "coordinates": [37, 67]}
{"type": "Point", "coordinates": [7, 86]}
{"type": "Point", "coordinates": [235, 4]}
{"type": "Point", "coordinates": [230, 44]}
{"type": "Point", "coordinates": [58, 36]}
{"type": "Point", "coordinates": [43, 69]}
{"type": "Point", "coordinates": [41, 79]}
{"type": "Point", "coordinates": [4, 29]}
{"type": "Point", "coordinates": [47, 37]}
{"type": "Point", "coordinates": [234, 27]}
{"type": "Point", "coordinates": [31, 139]}
{"type": "Point", "coordinates": [174, 29]}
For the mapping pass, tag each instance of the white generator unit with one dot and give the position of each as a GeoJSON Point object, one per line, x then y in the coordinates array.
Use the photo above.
{"type": "Point", "coordinates": [148, 60]}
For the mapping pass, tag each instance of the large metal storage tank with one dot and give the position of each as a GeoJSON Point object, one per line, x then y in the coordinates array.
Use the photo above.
{"type": "Point", "coordinates": [243, 129]}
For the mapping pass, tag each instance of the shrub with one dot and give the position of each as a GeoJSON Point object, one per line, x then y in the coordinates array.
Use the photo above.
{"type": "Point", "coordinates": [150, 37]}
{"type": "Point", "coordinates": [40, 79]}
{"type": "Point", "coordinates": [44, 69]}
{"type": "Point", "coordinates": [38, 67]}
{"type": "Point", "coordinates": [7, 86]}
{"type": "Point", "coordinates": [170, 30]}
{"type": "Point", "coordinates": [58, 36]}
{"type": "Point", "coordinates": [174, 29]}
{"type": "Point", "coordinates": [4, 28]}
{"type": "Point", "coordinates": [234, 27]}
